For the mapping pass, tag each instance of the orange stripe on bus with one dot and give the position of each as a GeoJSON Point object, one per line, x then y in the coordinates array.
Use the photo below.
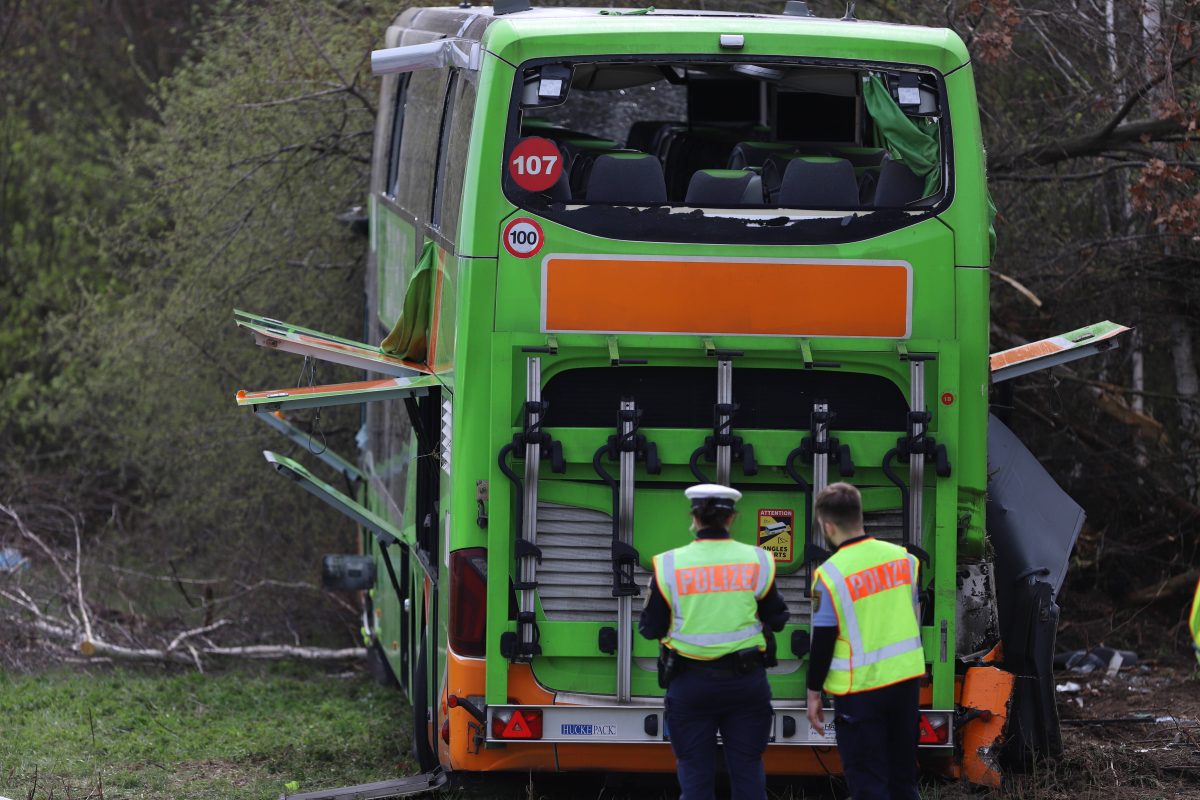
{"type": "Point", "coordinates": [1025, 352]}
{"type": "Point", "coordinates": [386, 383]}
{"type": "Point", "coordinates": [777, 298]}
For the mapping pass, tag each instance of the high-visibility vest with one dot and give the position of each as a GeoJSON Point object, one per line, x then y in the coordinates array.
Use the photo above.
{"type": "Point", "coordinates": [713, 587]}
{"type": "Point", "coordinates": [1195, 621]}
{"type": "Point", "coordinates": [870, 584]}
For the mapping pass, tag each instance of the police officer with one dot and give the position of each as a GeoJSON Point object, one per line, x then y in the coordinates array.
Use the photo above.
{"type": "Point", "coordinates": [866, 651]}
{"type": "Point", "coordinates": [709, 602]}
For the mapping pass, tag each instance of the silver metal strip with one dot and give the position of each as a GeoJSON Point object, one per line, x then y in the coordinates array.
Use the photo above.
{"type": "Point", "coordinates": [533, 451]}
{"type": "Point", "coordinates": [820, 466]}
{"type": "Point", "coordinates": [625, 534]}
{"type": "Point", "coordinates": [724, 395]}
{"type": "Point", "coordinates": [916, 461]}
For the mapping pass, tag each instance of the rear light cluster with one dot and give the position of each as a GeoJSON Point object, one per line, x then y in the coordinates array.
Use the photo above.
{"type": "Point", "coordinates": [935, 729]}
{"type": "Point", "coordinates": [468, 601]}
{"type": "Point", "coordinates": [517, 723]}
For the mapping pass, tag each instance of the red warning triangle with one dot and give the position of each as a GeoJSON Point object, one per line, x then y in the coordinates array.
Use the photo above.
{"type": "Point", "coordinates": [516, 728]}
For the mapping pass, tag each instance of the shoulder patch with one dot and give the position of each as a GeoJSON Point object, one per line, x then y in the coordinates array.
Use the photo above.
{"type": "Point", "coordinates": [816, 600]}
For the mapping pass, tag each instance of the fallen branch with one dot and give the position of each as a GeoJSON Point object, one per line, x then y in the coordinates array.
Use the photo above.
{"type": "Point", "coordinates": [79, 629]}
{"type": "Point", "coordinates": [1174, 587]}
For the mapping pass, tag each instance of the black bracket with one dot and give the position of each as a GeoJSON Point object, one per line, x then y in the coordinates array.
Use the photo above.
{"type": "Point", "coordinates": [740, 452]}
{"type": "Point", "coordinates": [922, 444]}
{"type": "Point", "coordinates": [511, 646]}
{"type": "Point", "coordinates": [810, 447]}
{"type": "Point", "coordinates": [625, 557]}
{"type": "Point", "coordinates": [607, 640]}
{"type": "Point", "coordinates": [801, 643]}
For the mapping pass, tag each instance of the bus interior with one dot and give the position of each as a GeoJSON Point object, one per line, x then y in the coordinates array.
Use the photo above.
{"type": "Point", "coordinates": [766, 138]}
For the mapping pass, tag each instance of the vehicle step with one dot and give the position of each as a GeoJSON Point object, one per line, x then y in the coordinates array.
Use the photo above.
{"type": "Point", "coordinates": [400, 787]}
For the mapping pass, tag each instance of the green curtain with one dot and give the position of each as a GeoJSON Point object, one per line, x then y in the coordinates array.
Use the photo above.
{"type": "Point", "coordinates": [914, 143]}
{"type": "Point", "coordinates": [409, 338]}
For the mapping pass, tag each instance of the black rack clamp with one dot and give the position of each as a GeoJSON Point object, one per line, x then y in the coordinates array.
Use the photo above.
{"type": "Point", "coordinates": [723, 447]}
{"type": "Point", "coordinates": [919, 448]}
{"type": "Point", "coordinates": [626, 447]}
{"type": "Point", "coordinates": [533, 444]}
{"type": "Point", "coordinates": [816, 448]}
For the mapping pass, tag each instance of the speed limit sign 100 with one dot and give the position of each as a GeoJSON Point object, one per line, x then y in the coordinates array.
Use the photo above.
{"type": "Point", "coordinates": [523, 237]}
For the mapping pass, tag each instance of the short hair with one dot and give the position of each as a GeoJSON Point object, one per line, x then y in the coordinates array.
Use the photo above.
{"type": "Point", "coordinates": [840, 504]}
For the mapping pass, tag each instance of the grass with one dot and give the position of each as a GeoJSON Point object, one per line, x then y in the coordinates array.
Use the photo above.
{"type": "Point", "coordinates": [152, 734]}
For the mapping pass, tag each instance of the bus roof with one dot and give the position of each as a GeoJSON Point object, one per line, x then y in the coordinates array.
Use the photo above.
{"type": "Point", "coordinates": [939, 48]}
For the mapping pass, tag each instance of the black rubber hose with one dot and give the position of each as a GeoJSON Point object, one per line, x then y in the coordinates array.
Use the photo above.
{"type": "Point", "coordinates": [694, 464]}
{"type": "Point", "coordinates": [512, 476]}
{"type": "Point", "coordinates": [598, 465]}
{"type": "Point", "coordinates": [789, 466]}
{"type": "Point", "coordinates": [894, 478]}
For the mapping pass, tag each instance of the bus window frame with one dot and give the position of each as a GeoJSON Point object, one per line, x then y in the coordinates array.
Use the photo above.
{"type": "Point", "coordinates": [445, 128]}
{"type": "Point", "coordinates": [416, 209]}
{"type": "Point", "coordinates": [396, 134]}
{"type": "Point", "coordinates": [590, 217]}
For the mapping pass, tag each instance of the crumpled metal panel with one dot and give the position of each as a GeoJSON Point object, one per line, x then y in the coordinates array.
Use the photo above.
{"type": "Point", "coordinates": [1032, 522]}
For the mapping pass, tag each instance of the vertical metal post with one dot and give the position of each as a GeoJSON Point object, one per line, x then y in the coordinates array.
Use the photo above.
{"type": "Point", "coordinates": [916, 461]}
{"type": "Point", "coordinates": [625, 534]}
{"type": "Point", "coordinates": [724, 398]}
{"type": "Point", "coordinates": [820, 434]}
{"type": "Point", "coordinates": [533, 454]}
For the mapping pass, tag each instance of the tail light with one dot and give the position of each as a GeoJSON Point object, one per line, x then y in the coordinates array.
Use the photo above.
{"type": "Point", "coordinates": [935, 729]}
{"type": "Point", "coordinates": [468, 601]}
{"type": "Point", "coordinates": [517, 723]}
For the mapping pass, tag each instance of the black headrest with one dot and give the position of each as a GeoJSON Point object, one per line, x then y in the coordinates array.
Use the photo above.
{"type": "Point", "coordinates": [819, 182]}
{"type": "Point", "coordinates": [897, 185]}
{"type": "Point", "coordinates": [627, 179]}
{"type": "Point", "coordinates": [718, 187]}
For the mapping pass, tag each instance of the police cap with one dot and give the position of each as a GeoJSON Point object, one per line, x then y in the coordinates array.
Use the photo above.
{"type": "Point", "coordinates": [713, 494]}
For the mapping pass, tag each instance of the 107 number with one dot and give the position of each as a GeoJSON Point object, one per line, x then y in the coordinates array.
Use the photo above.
{"type": "Point", "coordinates": [534, 165]}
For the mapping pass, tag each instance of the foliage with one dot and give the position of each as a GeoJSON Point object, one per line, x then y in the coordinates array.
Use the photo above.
{"type": "Point", "coordinates": [254, 148]}
{"type": "Point", "coordinates": [242, 734]}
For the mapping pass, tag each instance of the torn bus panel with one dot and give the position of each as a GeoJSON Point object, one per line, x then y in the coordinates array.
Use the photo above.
{"type": "Point", "coordinates": [1033, 525]}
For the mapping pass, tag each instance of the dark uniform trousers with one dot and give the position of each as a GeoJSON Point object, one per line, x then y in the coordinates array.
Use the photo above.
{"type": "Point", "coordinates": [700, 702]}
{"type": "Point", "coordinates": [877, 734]}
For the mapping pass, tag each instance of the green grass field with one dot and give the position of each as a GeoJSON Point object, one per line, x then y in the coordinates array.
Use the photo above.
{"type": "Point", "coordinates": [151, 733]}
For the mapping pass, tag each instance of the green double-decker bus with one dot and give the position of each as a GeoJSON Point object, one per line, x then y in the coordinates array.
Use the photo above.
{"type": "Point", "coordinates": [615, 253]}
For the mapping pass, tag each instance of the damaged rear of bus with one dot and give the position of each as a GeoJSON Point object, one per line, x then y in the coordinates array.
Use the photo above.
{"type": "Point", "coordinates": [616, 254]}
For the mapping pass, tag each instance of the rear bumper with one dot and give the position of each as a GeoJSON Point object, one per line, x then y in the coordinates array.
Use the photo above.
{"type": "Point", "coordinates": [644, 723]}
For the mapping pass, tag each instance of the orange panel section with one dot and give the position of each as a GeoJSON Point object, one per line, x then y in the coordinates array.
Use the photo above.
{"type": "Point", "coordinates": [601, 294]}
{"type": "Point", "coordinates": [988, 690]}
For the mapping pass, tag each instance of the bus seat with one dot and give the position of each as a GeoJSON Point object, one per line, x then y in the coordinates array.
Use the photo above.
{"type": "Point", "coordinates": [626, 179]}
{"type": "Point", "coordinates": [721, 188]}
{"type": "Point", "coordinates": [755, 154]}
{"type": "Point", "coordinates": [560, 192]}
{"type": "Point", "coordinates": [819, 182]}
{"type": "Point", "coordinates": [861, 156]}
{"type": "Point", "coordinates": [773, 170]}
{"type": "Point", "coordinates": [868, 179]}
{"type": "Point", "coordinates": [897, 185]}
{"type": "Point", "coordinates": [645, 133]}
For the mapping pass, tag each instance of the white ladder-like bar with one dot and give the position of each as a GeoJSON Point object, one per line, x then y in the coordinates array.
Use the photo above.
{"type": "Point", "coordinates": [916, 460]}
{"type": "Point", "coordinates": [820, 434]}
{"type": "Point", "coordinates": [625, 534]}
{"type": "Point", "coordinates": [723, 428]}
{"type": "Point", "coordinates": [533, 453]}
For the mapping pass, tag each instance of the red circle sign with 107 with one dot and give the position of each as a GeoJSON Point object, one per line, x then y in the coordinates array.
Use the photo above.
{"type": "Point", "coordinates": [535, 164]}
{"type": "Point", "coordinates": [523, 237]}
